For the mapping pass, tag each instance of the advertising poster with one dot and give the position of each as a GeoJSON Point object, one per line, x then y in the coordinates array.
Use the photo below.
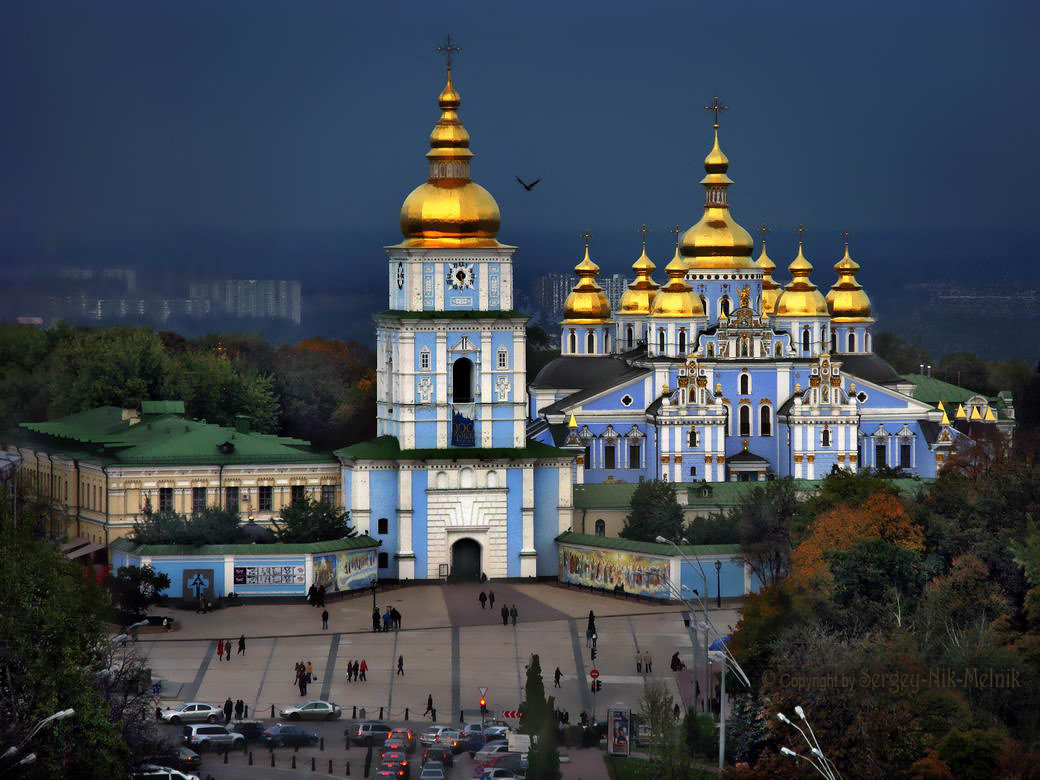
{"type": "Point", "coordinates": [270, 575]}
{"type": "Point", "coordinates": [619, 732]}
{"type": "Point", "coordinates": [346, 570]}
{"type": "Point", "coordinates": [640, 574]}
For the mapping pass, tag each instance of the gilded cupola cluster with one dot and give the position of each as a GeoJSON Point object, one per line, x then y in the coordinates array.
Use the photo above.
{"type": "Point", "coordinates": [801, 298]}
{"type": "Point", "coordinates": [449, 209]}
{"type": "Point", "coordinates": [847, 300]}
{"type": "Point", "coordinates": [586, 303]}
{"type": "Point", "coordinates": [639, 297]}
{"type": "Point", "coordinates": [770, 289]}
{"type": "Point", "coordinates": [676, 298]}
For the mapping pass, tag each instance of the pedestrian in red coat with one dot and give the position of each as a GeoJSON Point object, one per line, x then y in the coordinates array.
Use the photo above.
{"type": "Point", "coordinates": [220, 649]}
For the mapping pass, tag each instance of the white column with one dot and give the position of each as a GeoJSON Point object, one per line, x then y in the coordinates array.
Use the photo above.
{"type": "Point", "coordinates": [406, 556]}
{"type": "Point", "coordinates": [441, 403]}
{"type": "Point", "coordinates": [528, 553]}
{"type": "Point", "coordinates": [486, 393]}
{"type": "Point", "coordinates": [229, 573]}
{"type": "Point", "coordinates": [438, 286]}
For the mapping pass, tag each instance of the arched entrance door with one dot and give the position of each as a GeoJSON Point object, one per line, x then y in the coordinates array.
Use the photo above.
{"type": "Point", "coordinates": [465, 560]}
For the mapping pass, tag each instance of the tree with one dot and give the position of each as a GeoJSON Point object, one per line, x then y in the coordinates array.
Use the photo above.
{"type": "Point", "coordinates": [973, 754]}
{"type": "Point", "coordinates": [763, 518]}
{"type": "Point", "coordinates": [654, 512]}
{"type": "Point", "coordinates": [533, 709]}
{"type": "Point", "coordinates": [670, 759]}
{"type": "Point", "coordinates": [875, 581]}
{"type": "Point", "coordinates": [215, 389]}
{"type": "Point", "coordinates": [905, 358]}
{"type": "Point", "coordinates": [212, 525]}
{"type": "Point", "coordinates": [313, 521]}
{"type": "Point", "coordinates": [544, 756]}
{"type": "Point", "coordinates": [135, 588]}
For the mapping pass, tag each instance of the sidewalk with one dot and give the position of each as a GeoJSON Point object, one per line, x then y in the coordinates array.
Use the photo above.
{"type": "Point", "coordinates": [585, 764]}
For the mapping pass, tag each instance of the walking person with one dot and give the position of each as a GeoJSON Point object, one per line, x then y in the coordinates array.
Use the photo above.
{"type": "Point", "coordinates": [429, 704]}
{"type": "Point", "coordinates": [400, 665]}
{"type": "Point", "coordinates": [556, 677]}
{"type": "Point", "coordinates": [220, 649]}
{"type": "Point", "coordinates": [228, 707]}
{"type": "Point", "coordinates": [505, 615]}
{"type": "Point", "coordinates": [227, 648]}
{"type": "Point", "coordinates": [483, 599]}
{"type": "Point", "coordinates": [375, 620]}
{"type": "Point", "coordinates": [242, 645]}
{"type": "Point", "coordinates": [491, 599]}
{"type": "Point", "coordinates": [639, 662]}
{"type": "Point", "coordinates": [312, 595]}
{"type": "Point", "coordinates": [362, 670]}
{"type": "Point", "coordinates": [310, 672]}
{"type": "Point", "coordinates": [395, 618]}
{"type": "Point", "coordinates": [648, 662]}
{"type": "Point", "coordinates": [321, 596]}
{"type": "Point", "coordinates": [513, 613]}
{"type": "Point", "coordinates": [324, 620]}
{"type": "Point", "coordinates": [239, 707]}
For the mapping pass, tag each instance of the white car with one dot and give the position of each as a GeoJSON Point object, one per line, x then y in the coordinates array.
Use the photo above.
{"type": "Point", "coordinates": [193, 712]}
{"type": "Point", "coordinates": [312, 710]}
{"type": "Point", "coordinates": [150, 772]}
{"type": "Point", "coordinates": [429, 737]}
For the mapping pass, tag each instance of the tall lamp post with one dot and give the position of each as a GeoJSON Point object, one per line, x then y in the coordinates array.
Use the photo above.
{"type": "Point", "coordinates": [718, 584]}
{"type": "Point", "coordinates": [13, 751]}
{"type": "Point", "coordinates": [819, 761]}
{"type": "Point", "coordinates": [374, 582]}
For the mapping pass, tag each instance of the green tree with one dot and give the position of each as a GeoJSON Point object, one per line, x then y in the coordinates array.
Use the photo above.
{"type": "Point", "coordinates": [135, 588]}
{"type": "Point", "coordinates": [875, 582]}
{"type": "Point", "coordinates": [905, 358]}
{"type": "Point", "coordinates": [544, 756]}
{"type": "Point", "coordinates": [670, 759]}
{"type": "Point", "coordinates": [313, 521]}
{"type": "Point", "coordinates": [763, 519]}
{"type": "Point", "coordinates": [654, 512]}
{"type": "Point", "coordinates": [215, 389]}
{"type": "Point", "coordinates": [965, 369]}
{"type": "Point", "coordinates": [973, 754]}
{"type": "Point", "coordinates": [213, 525]}
{"type": "Point", "coordinates": [533, 709]}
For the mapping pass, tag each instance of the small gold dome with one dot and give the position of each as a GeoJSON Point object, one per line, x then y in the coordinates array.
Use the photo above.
{"type": "Point", "coordinates": [847, 300]}
{"type": "Point", "coordinates": [639, 297]}
{"type": "Point", "coordinates": [449, 209]}
{"type": "Point", "coordinates": [717, 241]}
{"type": "Point", "coordinates": [676, 299]}
{"type": "Point", "coordinates": [587, 303]}
{"type": "Point", "coordinates": [770, 289]}
{"type": "Point", "coordinates": [800, 297]}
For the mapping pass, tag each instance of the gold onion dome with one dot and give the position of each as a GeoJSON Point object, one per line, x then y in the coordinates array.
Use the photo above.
{"type": "Point", "coordinates": [717, 241]}
{"type": "Point", "coordinates": [639, 297]}
{"type": "Point", "coordinates": [847, 300]}
{"type": "Point", "coordinates": [676, 299]}
{"type": "Point", "coordinates": [449, 209]}
{"type": "Point", "coordinates": [801, 298]}
{"type": "Point", "coordinates": [770, 289]}
{"type": "Point", "coordinates": [587, 303]}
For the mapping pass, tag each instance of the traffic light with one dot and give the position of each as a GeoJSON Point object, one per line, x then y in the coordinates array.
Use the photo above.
{"type": "Point", "coordinates": [593, 652]}
{"type": "Point", "coordinates": [599, 686]}
{"type": "Point", "coordinates": [483, 705]}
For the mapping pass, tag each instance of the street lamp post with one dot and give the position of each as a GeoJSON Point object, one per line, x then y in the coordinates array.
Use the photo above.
{"type": "Point", "coordinates": [718, 584]}
{"type": "Point", "coordinates": [374, 581]}
{"type": "Point", "coordinates": [30, 757]}
{"type": "Point", "coordinates": [819, 761]}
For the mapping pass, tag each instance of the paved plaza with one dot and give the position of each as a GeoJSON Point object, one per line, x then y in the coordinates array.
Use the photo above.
{"type": "Point", "coordinates": [450, 647]}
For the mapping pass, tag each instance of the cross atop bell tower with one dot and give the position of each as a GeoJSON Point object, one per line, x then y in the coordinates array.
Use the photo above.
{"type": "Point", "coordinates": [448, 49]}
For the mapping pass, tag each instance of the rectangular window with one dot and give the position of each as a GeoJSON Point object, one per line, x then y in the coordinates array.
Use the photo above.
{"type": "Point", "coordinates": [503, 359]}
{"type": "Point", "coordinates": [384, 560]}
{"type": "Point", "coordinates": [904, 456]}
{"type": "Point", "coordinates": [693, 471]}
{"type": "Point", "coordinates": [165, 499]}
{"type": "Point", "coordinates": [588, 458]}
{"type": "Point", "coordinates": [231, 499]}
{"type": "Point", "coordinates": [383, 525]}
{"type": "Point", "coordinates": [296, 493]}
{"type": "Point", "coordinates": [608, 457]}
{"type": "Point", "coordinates": [328, 494]}
{"type": "Point", "coordinates": [266, 504]}
{"type": "Point", "coordinates": [198, 499]}
{"type": "Point", "coordinates": [879, 456]}
{"type": "Point", "coordinates": [424, 360]}
{"type": "Point", "coordinates": [633, 455]}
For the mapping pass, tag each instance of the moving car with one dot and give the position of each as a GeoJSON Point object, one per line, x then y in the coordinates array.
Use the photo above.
{"type": "Point", "coordinates": [312, 710]}
{"type": "Point", "coordinates": [396, 761]}
{"type": "Point", "coordinates": [406, 736]}
{"type": "Point", "coordinates": [429, 737]}
{"type": "Point", "coordinates": [193, 712]}
{"type": "Point", "coordinates": [150, 772]}
{"type": "Point", "coordinates": [252, 730]}
{"type": "Point", "coordinates": [175, 756]}
{"type": "Point", "coordinates": [212, 736]}
{"type": "Point", "coordinates": [496, 773]}
{"type": "Point", "coordinates": [392, 745]}
{"type": "Point", "coordinates": [439, 753]}
{"type": "Point", "coordinates": [284, 735]}
{"type": "Point", "coordinates": [490, 749]}
{"type": "Point", "coordinates": [371, 732]}
{"type": "Point", "coordinates": [433, 772]}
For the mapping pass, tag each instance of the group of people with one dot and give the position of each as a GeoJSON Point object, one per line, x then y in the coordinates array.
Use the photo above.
{"type": "Point", "coordinates": [239, 708]}
{"type": "Point", "coordinates": [388, 621]}
{"type": "Point", "coordinates": [646, 660]}
{"type": "Point", "coordinates": [316, 596]}
{"type": "Point", "coordinates": [484, 598]}
{"type": "Point", "coordinates": [357, 670]}
{"type": "Point", "coordinates": [304, 676]}
{"type": "Point", "coordinates": [224, 648]}
{"type": "Point", "coordinates": [563, 717]}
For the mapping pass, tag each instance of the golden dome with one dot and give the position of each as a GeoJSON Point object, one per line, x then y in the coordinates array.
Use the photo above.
{"type": "Point", "coordinates": [847, 300]}
{"type": "Point", "coordinates": [449, 209]}
{"type": "Point", "coordinates": [639, 297]}
{"type": "Point", "coordinates": [800, 297]}
{"type": "Point", "coordinates": [676, 299]}
{"type": "Point", "coordinates": [587, 303]}
{"type": "Point", "coordinates": [717, 241]}
{"type": "Point", "coordinates": [770, 289]}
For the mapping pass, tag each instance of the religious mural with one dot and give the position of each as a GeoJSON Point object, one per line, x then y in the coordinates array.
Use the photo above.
{"type": "Point", "coordinates": [346, 570]}
{"type": "Point", "coordinates": [642, 574]}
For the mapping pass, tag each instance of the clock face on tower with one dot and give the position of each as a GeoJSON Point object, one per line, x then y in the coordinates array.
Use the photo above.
{"type": "Point", "coordinates": [460, 276]}
{"type": "Point", "coordinates": [400, 275]}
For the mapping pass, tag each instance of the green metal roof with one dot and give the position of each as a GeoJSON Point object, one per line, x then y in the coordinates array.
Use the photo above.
{"type": "Point", "coordinates": [387, 448]}
{"type": "Point", "coordinates": [162, 407]}
{"type": "Point", "coordinates": [336, 545]}
{"type": "Point", "coordinates": [401, 314]}
{"type": "Point", "coordinates": [931, 391]}
{"type": "Point", "coordinates": [650, 548]}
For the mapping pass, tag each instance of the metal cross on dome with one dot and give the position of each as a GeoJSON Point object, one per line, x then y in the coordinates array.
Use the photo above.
{"type": "Point", "coordinates": [448, 49]}
{"type": "Point", "coordinates": [800, 230]}
{"type": "Point", "coordinates": [716, 107]}
{"type": "Point", "coordinates": [845, 234]}
{"type": "Point", "coordinates": [586, 235]}
{"type": "Point", "coordinates": [677, 230]}
{"type": "Point", "coordinates": [644, 230]}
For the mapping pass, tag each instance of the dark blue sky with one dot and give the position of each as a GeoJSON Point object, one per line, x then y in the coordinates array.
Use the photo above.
{"type": "Point", "coordinates": [912, 121]}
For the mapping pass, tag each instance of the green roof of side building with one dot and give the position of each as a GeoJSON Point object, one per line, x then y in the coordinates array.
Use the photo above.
{"type": "Point", "coordinates": [650, 548]}
{"type": "Point", "coordinates": [931, 391]}
{"type": "Point", "coordinates": [336, 545]}
{"type": "Point", "coordinates": [388, 448]}
{"type": "Point", "coordinates": [161, 436]}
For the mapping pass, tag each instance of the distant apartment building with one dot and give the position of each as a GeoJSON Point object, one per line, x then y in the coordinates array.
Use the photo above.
{"type": "Point", "coordinates": [614, 286]}
{"type": "Point", "coordinates": [269, 298]}
{"type": "Point", "coordinates": [101, 309]}
{"type": "Point", "coordinates": [550, 292]}
{"type": "Point", "coordinates": [125, 277]}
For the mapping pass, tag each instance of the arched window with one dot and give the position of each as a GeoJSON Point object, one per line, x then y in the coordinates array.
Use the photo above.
{"type": "Point", "coordinates": [462, 380]}
{"type": "Point", "coordinates": [852, 341]}
{"type": "Point", "coordinates": [695, 437]}
{"type": "Point", "coordinates": [825, 437]}
{"type": "Point", "coordinates": [765, 421]}
{"type": "Point", "coordinates": [805, 340]}
{"type": "Point", "coordinates": [601, 528]}
{"type": "Point", "coordinates": [628, 336]}
{"type": "Point", "coordinates": [682, 342]}
{"type": "Point", "coordinates": [382, 525]}
{"type": "Point", "coordinates": [704, 304]}
{"type": "Point", "coordinates": [573, 343]}
{"type": "Point", "coordinates": [834, 342]}
{"type": "Point", "coordinates": [866, 342]}
{"type": "Point", "coordinates": [590, 343]}
{"type": "Point", "coordinates": [724, 306]}
{"type": "Point", "coordinates": [606, 342]}
{"type": "Point", "coordinates": [660, 341]}
{"type": "Point", "coordinates": [745, 420]}
{"type": "Point", "coordinates": [745, 384]}
{"type": "Point", "coordinates": [778, 350]}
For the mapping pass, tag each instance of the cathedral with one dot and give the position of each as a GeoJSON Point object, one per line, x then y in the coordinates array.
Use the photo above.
{"type": "Point", "coordinates": [719, 374]}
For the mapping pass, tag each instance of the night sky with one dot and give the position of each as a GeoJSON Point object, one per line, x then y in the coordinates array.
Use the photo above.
{"type": "Point", "coordinates": [911, 124]}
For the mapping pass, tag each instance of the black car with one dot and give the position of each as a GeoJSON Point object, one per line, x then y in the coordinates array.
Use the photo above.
{"type": "Point", "coordinates": [440, 753]}
{"type": "Point", "coordinates": [282, 734]}
{"type": "Point", "coordinates": [177, 757]}
{"type": "Point", "coordinates": [252, 730]}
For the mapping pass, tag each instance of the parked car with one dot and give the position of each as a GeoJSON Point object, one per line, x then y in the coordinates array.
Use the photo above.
{"type": "Point", "coordinates": [176, 756]}
{"type": "Point", "coordinates": [441, 753]}
{"type": "Point", "coordinates": [193, 712]}
{"type": "Point", "coordinates": [212, 736]}
{"type": "Point", "coordinates": [429, 737]}
{"type": "Point", "coordinates": [252, 730]}
{"type": "Point", "coordinates": [370, 732]}
{"type": "Point", "coordinates": [285, 735]}
{"type": "Point", "coordinates": [407, 736]}
{"type": "Point", "coordinates": [312, 710]}
{"type": "Point", "coordinates": [151, 772]}
{"type": "Point", "coordinates": [433, 772]}
{"type": "Point", "coordinates": [492, 748]}
{"type": "Point", "coordinates": [497, 732]}
{"type": "Point", "coordinates": [497, 773]}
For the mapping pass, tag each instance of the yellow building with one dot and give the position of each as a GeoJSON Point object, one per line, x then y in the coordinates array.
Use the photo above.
{"type": "Point", "coordinates": [101, 468]}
